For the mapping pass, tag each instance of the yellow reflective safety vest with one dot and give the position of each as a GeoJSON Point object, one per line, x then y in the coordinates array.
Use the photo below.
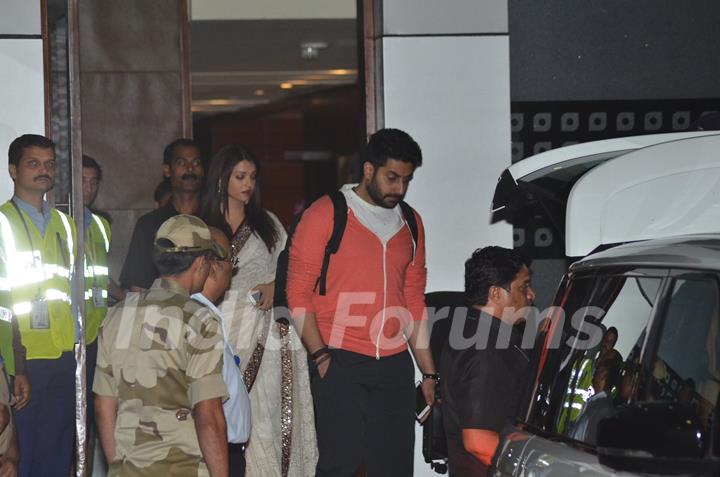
{"type": "Point", "coordinates": [578, 392]}
{"type": "Point", "coordinates": [97, 246]}
{"type": "Point", "coordinates": [35, 275]}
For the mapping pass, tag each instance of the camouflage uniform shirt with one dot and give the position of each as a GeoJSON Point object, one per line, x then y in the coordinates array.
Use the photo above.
{"type": "Point", "coordinates": [159, 354]}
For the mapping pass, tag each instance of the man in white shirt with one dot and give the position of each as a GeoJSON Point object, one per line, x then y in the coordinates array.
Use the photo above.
{"type": "Point", "coordinates": [237, 407]}
{"type": "Point", "coordinates": [599, 405]}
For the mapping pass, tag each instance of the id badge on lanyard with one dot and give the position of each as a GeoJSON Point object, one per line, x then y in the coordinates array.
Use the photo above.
{"type": "Point", "coordinates": [97, 297]}
{"type": "Point", "coordinates": [39, 316]}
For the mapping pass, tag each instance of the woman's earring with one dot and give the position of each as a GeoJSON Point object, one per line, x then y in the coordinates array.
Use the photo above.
{"type": "Point", "coordinates": [219, 187]}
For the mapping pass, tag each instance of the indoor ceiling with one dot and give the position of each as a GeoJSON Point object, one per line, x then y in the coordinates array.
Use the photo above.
{"type": "Point", "coordinates": [238, 64]}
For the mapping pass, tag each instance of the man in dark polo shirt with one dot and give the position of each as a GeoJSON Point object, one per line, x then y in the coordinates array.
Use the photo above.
{"type": "Point", "coordinates": [183, 167]}
{"type": "Point", "coordinates": [484, 384]}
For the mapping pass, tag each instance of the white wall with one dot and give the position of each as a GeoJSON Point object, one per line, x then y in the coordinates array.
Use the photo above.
{"type": "Point", "coordinates": [22, 87]}
{"type": "Point", "coordinates": [452, 95]}
{"type": "Point", "coordinates": [270, 9]}
{"type": "Point", "coordinates": [457, 17]}
{"type": "Point", "coordinates": [20, 17]}
{"type": "Point", "coordinates": [446, 81]}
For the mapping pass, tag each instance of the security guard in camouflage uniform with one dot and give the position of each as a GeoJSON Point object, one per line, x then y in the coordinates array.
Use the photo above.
{"type": "Point", "coordinates": [8, 440]}
{"type": "Point", "coordinates": [158, 382]}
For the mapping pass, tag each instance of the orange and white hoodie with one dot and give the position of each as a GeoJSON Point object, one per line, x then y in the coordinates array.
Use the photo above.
{"type": "Point", "coordinates": [375, 281]}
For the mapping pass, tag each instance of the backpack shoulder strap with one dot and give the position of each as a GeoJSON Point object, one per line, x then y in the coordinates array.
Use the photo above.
{"type": "Point", "coordinates": [293, 226]}
{"type": "Point", "coordinates": [340, 209]}
{"type": "Point", "coordinates": [333, 244]}
{"type": "Point", "coordinates": [409, 217]}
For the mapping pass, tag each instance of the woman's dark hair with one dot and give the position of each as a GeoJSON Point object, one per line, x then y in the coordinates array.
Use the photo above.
{"type": "Point", "coordinates": [490, 267]}
{"type": "Point", "coordinates": [214, 201]}
{"type": "Point", "coordinates": [174, 263]}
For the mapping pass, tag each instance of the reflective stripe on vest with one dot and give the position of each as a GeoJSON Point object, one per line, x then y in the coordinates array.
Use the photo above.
{"type": "Point", "coordinates": [8, 249]}
{"type": "Point", "coordinates": [29, 274]}
{"type": "Point", "coordinates": [9, 255]}
{"type": "Point", "coordinates": [69, 235]}
{"type": "Point", "coordinates": [96, 274]}
{"type": "Point", "coordinates": [101, 226]}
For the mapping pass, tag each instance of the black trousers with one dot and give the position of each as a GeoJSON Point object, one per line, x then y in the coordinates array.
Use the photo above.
{"type": "Point", "coordinates": [365, 414]}
{"type": "Point", "coordinates": [236, 455]}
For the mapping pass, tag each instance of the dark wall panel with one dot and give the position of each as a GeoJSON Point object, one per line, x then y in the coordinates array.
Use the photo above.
{"type": "Point", "coordinates": [564, 50]}
{"type": "Point", "coordinates": [131, 89]}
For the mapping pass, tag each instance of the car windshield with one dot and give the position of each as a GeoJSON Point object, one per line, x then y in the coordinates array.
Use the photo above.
{"type": "Point", "coordinates": [604, 329]}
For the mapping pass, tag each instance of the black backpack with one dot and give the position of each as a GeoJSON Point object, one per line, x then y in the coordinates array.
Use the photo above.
{"type": "Point", "coordinates": [340, 210]}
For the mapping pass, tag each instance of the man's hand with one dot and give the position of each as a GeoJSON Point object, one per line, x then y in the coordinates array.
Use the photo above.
{"type": "Point", "coordinates": [8, 467]}
{"type": "Point", "coordinates": [419, 341]}
{"type": "Point", "coordinates": [21, 391]}
{"type": "Point", "coordinates": [4, 417]}
{"type": "Point", "coordinates": [481, 443]}
{"type": "Point", "coordinates": [105, 417]}
{"type": "Point", "coordinates": [212, 435]}
{"type": "Point", "coordinates": [115, 291]}
{"type": "Point", "coordinates": [428, 390]}
{"type": "Point", "coordinates": [322, 368]}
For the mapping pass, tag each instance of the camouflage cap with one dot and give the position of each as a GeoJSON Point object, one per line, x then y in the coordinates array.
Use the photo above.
{"type": "Point", "coordinates": [187, 233]}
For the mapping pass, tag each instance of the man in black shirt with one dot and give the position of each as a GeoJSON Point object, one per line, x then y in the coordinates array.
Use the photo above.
{"type": "Point", "coordinates": [183, 167]}
{"type": "Point", "coordinates": [483, 385]}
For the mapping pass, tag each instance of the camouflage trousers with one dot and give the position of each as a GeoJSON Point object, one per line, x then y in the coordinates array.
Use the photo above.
{"type": "Point", "coordinates": [6, 419]}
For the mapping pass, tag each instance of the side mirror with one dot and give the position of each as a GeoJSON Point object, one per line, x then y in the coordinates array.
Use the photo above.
{"type": "Point", "coordinates": [657, 437]}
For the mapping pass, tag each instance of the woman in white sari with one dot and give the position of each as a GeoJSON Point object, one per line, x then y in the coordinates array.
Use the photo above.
{"type": "Point", "coordinates": [273, 360]}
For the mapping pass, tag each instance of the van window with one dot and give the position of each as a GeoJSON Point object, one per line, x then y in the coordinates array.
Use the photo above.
{"type": "Point", "coordinates": [686, 368]}
{"type": "Point", "coordinates": [598, 351]}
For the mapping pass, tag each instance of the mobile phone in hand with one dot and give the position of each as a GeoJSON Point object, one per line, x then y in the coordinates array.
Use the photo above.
{"type": "Point", "coordinates": [254, 296]}
{"type": "Point", "coordinates": [421, 407]}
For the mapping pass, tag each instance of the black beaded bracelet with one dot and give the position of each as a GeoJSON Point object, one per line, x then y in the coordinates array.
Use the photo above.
{"type": "Point", "coordinates": [321, 359]}
{"type": "Point", "coordinates": [320, 352]}
{"type": "Point", "coordinates": [434, 376]}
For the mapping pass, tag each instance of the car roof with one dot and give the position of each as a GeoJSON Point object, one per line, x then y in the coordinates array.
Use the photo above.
{"type": "Point", "coordinates": [701, 252]}
{"type": "Point", "coordinates": [665, 190]}
{"type": "Point", "coordinates": [607, 148]}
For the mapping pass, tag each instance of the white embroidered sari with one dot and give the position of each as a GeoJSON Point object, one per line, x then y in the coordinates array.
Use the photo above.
{"type": "Point", "coordinates": [274, 364]}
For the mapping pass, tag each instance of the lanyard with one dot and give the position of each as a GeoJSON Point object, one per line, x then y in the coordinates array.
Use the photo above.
{"type": "Point", "coordinates": [27, 230]}
{"type": "Point", "coordinates": [66, 260]}
{"type": "Point", "coordinates": [92, 249]}
{"type": "Point", "coordinates": [37, 262]}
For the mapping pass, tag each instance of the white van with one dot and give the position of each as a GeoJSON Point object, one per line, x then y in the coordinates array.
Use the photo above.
{"type": "Point", "coordinates": [646, 399]}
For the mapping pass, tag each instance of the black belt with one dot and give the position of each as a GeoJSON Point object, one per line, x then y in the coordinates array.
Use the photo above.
{"type": "Point", "coordinates": [234, 445]}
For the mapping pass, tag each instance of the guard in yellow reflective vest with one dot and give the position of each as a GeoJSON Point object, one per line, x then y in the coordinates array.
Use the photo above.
{"type": "Point", "coordinates": [97, 280]}
{"type": "Point", "coordinates": [580, 389]}
{"type": "Point", "coordinates": [38, 248]}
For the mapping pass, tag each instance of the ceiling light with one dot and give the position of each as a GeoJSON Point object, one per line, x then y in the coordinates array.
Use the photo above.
{"type": "Point", "coordinates": [286, 85]}
{"type": "Point", "coordinates": [310, 50]}
{"type": "Point", "coordinates": [259, 92]}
